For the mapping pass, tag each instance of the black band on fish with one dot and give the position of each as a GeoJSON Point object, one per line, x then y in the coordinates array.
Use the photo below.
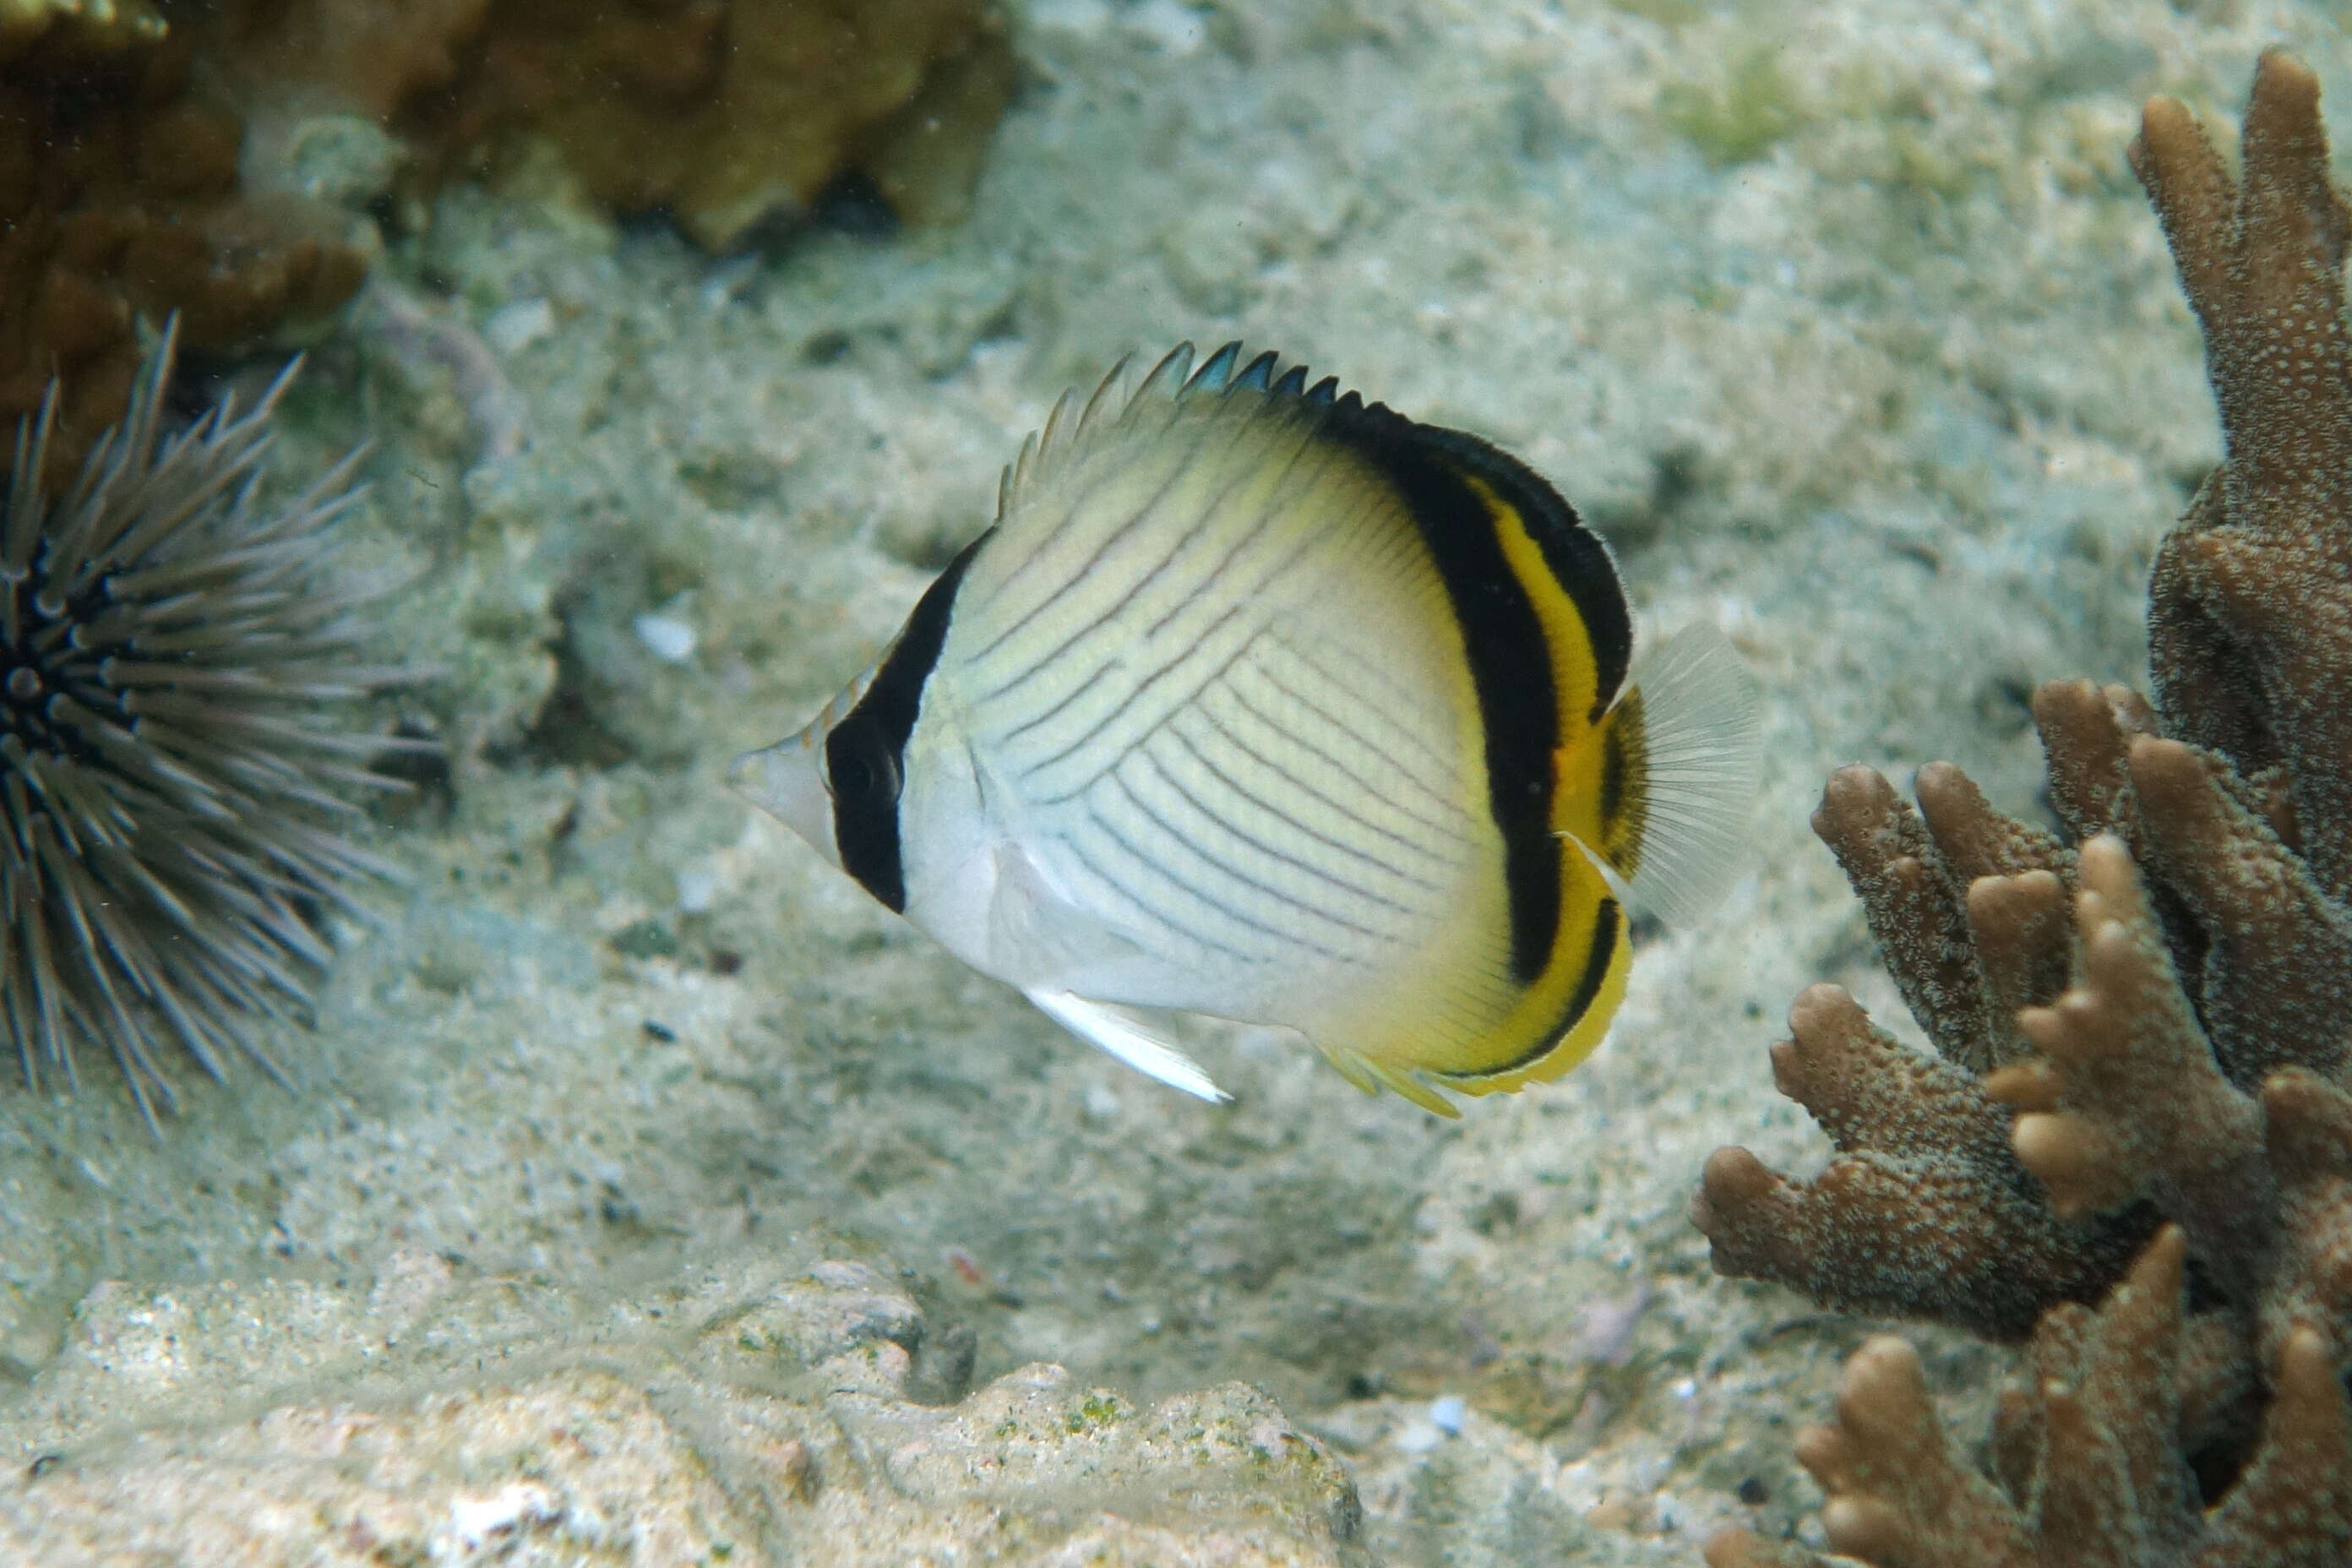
{"type": "Point", "coordinates": [1510, 661]}
{"type": "Point", "coordinates": [1578, 559]}
{"type": "Point", "coordinates": [865, 756]}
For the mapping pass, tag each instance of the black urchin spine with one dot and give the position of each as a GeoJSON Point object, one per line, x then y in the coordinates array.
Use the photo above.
{"type": "Point", "coordinates": [170, 655]}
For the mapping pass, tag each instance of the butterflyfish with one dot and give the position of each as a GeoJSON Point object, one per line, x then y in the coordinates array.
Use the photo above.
{"type": "Point", "coordinates": [1268, 704]}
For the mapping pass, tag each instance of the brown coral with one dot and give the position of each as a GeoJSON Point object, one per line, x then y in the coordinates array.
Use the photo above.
{"type": "Point", "coordinates": [2249, 616]}
{"type": "Point", "coordinates": [2087, 1465]}
{"type": "Point", "coordinates": [365, 56]}
{"type": "Point", "coordinates": [69, 27]}
{"type": "Point", "coordinates": [2149, 1028]}
{"type": "Point", "coordinates": [724, 112]}
{"type": "Point", "coordinates": [119, 195]}
{"type": "Point", "coordinates": [120, 192]}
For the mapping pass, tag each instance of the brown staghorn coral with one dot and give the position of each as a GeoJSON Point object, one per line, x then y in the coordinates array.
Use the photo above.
{"type": "Point", "coordinates": [2087, 1469]}
{"type": "Point", "coordinates": [2250, 622]}
{"type": "Point", "coordinates": [2143, 1034]}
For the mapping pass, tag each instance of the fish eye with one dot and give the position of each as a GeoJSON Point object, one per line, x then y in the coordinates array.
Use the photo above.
{"type": "Point", "coordinates": [859, 764]}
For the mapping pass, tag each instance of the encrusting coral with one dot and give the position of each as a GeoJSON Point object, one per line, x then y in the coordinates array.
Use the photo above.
{"type": "Point", "coordinates": [2133, 1141]}
{"type": "Point", "coordinates": [725, 111]}
{"type": "Point", "coordinates": [119, 195]}
{"type": "Point", "coordinates": [73, 26]}
{"type": "Point", "coordinates": [720, 111]}
{"type": "Point", "coordinates": [141, 146]}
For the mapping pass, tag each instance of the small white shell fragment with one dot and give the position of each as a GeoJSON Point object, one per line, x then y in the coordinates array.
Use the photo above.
{"type": "Point", "coordinates": [697, 886]}
{"type": "Point", "coordinates": [518, 323]}
{"type": "Point", "coordinates": [1419, 1437]}
{"type": "Point", "coordinates": [726, 279]}
{"type": "Point", "coordinates": [1177, 29]}
{"type": "Point", "coordinates": [475, 1520]}
{"type": "Point", "coordinates": [670, 639]}
{"type": "Point", "coordinates": [1086, 16]}
{"type": "Point", "coordinates": [1447, 1413]}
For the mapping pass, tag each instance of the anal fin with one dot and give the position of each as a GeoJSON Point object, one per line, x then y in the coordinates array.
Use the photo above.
{"type": "Point", "coordinates": [1120, 1032]}
{"type": "Point", "coordinates": [1372, 1077]}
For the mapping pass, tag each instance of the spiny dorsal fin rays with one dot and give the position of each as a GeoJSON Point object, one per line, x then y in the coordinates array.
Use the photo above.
{"type": "Point", "coordinates": [1111, 392]}
{"type": "Point", "coordinates": [1259, 374]}
{"type": "Point", "coordinates": [1213, 376]}
{"type": "Point", "coordinates": [1122, 396]}
{"type": "Point", "coordinates": [1167, 378]}
{"type": "Point", "coordinates": [1049, 449]}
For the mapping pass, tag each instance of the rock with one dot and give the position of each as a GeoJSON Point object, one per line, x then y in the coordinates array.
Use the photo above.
{"type": "Point", "coordinates": [757, 1414]}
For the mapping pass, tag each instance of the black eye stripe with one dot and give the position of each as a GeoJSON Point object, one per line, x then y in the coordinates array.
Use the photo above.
{"type": "Point", "coordinates": [874, 736]}
{"type": "Point", "coordinates": [855, 766]}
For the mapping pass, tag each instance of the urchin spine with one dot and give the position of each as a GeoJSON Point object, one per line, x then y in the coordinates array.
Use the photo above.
{"type": "Point", "coordinates": [172, 656]}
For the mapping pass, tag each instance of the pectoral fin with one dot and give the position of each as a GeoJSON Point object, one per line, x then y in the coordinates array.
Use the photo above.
{"type": "Point", "coordinates": [1037, 934]}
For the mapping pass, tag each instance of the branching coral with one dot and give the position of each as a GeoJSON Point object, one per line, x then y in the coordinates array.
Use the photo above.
{"type": "Point", "coordinates": [2088, 1469]}
{"type": "Point", "coordinates": [2143, 1038]}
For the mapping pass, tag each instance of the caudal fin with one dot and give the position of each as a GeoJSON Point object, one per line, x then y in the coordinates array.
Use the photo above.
{"type": "Point", "coordinates": [1691, 744]}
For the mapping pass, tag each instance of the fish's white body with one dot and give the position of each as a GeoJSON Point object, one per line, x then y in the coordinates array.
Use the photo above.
{"type": "Point", "coordinates": [1211, 723]}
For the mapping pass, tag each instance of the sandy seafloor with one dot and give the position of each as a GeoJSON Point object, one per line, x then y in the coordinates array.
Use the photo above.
{"type": "Point", "coordinates": [1849, 328]}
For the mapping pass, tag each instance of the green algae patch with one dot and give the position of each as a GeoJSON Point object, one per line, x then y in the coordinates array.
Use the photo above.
{"type": "Point", "coordinates": [1741, 118]}
{"type": "Point", "coordinates": [1100, 1409]}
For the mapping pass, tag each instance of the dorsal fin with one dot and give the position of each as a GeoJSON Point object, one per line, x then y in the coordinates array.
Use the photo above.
{"type": "Point", "coordinates": [1259, 372]}
{"type": "Point", "coordinates": [1167, 377]}
{"type": "Point", "coordinates": [1125, 394]}
{"type": "Point", "coordinates": [1213, 376]}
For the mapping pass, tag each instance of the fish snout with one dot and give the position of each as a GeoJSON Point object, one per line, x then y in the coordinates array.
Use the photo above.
{"type": "Point", "coordinates": [787, 781]}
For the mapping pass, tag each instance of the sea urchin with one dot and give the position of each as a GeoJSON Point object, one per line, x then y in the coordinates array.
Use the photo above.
{"type": "Point", "coordinates": [170, 657]}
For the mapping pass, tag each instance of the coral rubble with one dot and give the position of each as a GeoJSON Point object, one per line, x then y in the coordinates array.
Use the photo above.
{"type": "Point", "coordinates": [2143, 1036]}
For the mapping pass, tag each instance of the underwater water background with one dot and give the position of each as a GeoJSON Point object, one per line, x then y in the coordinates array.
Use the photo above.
{"type": "Point", "coordinates": [1848, 327]}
